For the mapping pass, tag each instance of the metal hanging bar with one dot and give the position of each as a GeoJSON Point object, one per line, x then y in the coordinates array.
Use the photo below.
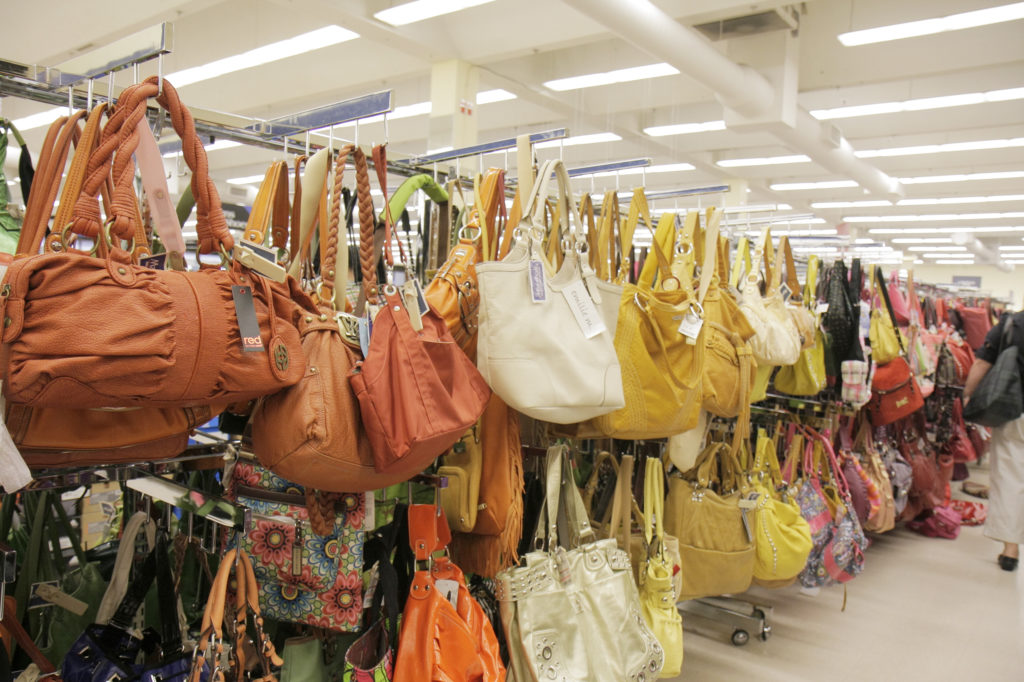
{"type": "Point", "coordinates": [584, 171]}
{"type": "Point", "coordinates": [496, 146]}
{"type": "Point", "coordinates": [142, 46]}
{"type": "Point", "coordinates": [328, 115]}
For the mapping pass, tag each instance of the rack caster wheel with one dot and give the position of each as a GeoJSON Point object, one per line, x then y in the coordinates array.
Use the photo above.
{"type": "Point", "coordinates": [766, 633]}
{"type": "Point", "coordinates": [740, 637]}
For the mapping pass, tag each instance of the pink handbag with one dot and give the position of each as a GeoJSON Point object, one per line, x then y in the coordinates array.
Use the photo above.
{"type": "Point", "coordinates": [900, 309]}
{"type": "Point", "coordinates": [943, 522]}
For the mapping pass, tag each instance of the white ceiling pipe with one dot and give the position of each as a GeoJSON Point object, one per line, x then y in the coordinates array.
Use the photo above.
{"type": "Point", "coordinates": [738, 87]}
{"type": "Point", "coordinates": [978, 248]}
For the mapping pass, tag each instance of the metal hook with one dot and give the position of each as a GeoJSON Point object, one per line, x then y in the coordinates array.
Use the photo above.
{"type": "Point", "coordinates": [110, 88]}
{"type": "Point", "coordinates": [88, 96]}
{"type": "Point", "coordinates": [160, 74]}
{"type": "Point", "coordinates": [385, 128]}
{"type": "Point", "coordinates": [71, 101]}
{"type": "Point", "coordinates": [330, 139]}
{"type": "Point", "coordinates": [135, 72]}
{"type": "Point", "coordinates": [356, 136]}
{"type": "Point", "coordinates": [307, 143]}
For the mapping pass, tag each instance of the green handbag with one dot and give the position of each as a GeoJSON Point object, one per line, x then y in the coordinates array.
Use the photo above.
{"type": "Point", "coordinates": [303, 660]}
{"type": "Point", "coordinates": [55, 628]}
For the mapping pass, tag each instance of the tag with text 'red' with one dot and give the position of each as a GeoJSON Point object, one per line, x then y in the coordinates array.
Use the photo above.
{"type": "Point", "coordinates": [245, 311]}
{"type": "Point", "coordinates": [537, 291]}
{"type": "Point", "coordinates": [583, 309]}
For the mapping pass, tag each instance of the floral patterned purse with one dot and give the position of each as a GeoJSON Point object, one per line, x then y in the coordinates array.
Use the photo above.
{"type": "Point", "coordinates": [304, 576]}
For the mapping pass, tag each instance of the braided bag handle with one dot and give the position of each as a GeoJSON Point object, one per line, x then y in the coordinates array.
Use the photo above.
{"type": "Point", "coordinates": [113, 157]}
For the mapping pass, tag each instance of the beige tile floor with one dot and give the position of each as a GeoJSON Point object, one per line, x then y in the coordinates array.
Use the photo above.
{"type": "Point", "coordinates": [924, 609]}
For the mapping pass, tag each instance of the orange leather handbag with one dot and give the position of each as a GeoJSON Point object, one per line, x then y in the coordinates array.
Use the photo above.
{"type": "Point", "coordinates": [312, 432]}
{"type": "Point", "coordinates": [57, 437]}
{"type": "Point", "coordinates": [417, 390]}
{"type": "Point", "coordinates": [83, 331]}
{"type": "Point", "coordinates": [445, 634]}
{"type": "Point", "coordinates": [453, 293]}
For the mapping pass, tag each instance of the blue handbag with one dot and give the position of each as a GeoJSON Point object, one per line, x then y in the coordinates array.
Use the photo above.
{"type": "Point", "coordinates": [111, 652]}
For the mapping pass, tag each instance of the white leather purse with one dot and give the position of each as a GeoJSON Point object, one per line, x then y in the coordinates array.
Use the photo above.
{"type": "Point", "coordinates": [545, 342]}
{"type": "Point", "coordinates": [776, 340]}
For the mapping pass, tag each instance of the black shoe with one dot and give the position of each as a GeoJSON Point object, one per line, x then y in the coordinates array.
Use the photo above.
{"type": "Point", "coordinates": [1008, 563]}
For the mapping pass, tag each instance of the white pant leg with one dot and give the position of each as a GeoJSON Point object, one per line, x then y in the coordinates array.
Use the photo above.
{"type": "Point", "coordinates": [1005, 520]}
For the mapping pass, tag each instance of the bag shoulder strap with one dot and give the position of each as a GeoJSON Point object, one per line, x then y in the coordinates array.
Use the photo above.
{"type": "Point", "coordinates": [884, 293]}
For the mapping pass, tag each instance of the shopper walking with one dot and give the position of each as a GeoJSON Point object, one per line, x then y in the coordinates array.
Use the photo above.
{"type": "Point", "coordinates": [1005, 521]}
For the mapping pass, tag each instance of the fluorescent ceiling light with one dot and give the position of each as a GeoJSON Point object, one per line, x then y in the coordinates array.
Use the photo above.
{"type": "Point", "coordinates": [815, 249]}
{"type": "Point", "coordinates": [684, 128]}
{"type": "Point", "coordinates": [764, 161]}
{"type": "Point", "coordinates": [491, 96]}
{"type": "Point", "coordinates": [828, 184]}
{"type": "Point", "coordinates": [924, 27]}
{"type": "Point", "coordinates": [942, 254]}
{"type": "Point", "coordinates": [955, 261]}
{"type": "Point", "coordinates": [851, 204]}
{"type": "Point", "coordinates": [937, 248]}
{"type": "Point", "coordinates": [916, 150]}
{"type": "Point", "coordinates": [33, 121]}
{"type": "Point", "coordinates": [960, 200]}
{"type": "Point", "coordinates": [290, 47]}
{"type": "Point", "coordinates": [925, 240]}
{"type": "Point", "coordinates": [827, 232]}
{"type": "Point", "coordinates": [246, 180]}
{"type": "Point", "coordinates": [802, 221]}
{"type": "Point", "coordinates": [864, 240]}
{"type": "Point", "coordinates": [931, 217]}
{"type": "Point", "coordinates": [419, 10]}
{"type": "Point", "coordinates": [1011, 248]}
{"type": "Point", "coordinates": [945, 230]}
{"type": "Point", "coordinates": [636, 73]}
{"type": "Point", "coordinates": [922, 104]}
{"type": "Point", "coordinates": [660, 168]}
{"type": "Point", "coordinates": [577, 140]}
{"type": "Point", "coordinates": [212, 147]}
{"type": "Point", "coordinates": [918, 262]}
{"type": "Point", "coordinates": [963, 177]}
{"type": "Point", "coordinates": [440, 149]}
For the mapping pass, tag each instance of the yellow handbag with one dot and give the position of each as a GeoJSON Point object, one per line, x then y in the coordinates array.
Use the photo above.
{"type": "Point", "coordinates": [716, 543]}
{"type": "Point", "coordinates": [657, 594]}
{"type": "Point", "coordinates": [782, 537]}
{"type": "Point", "coordinates": [661, 368]}
{"type": "Point", "coordinates": [807, 377]}
{"type": "Point", "coordinates": [885, 345]}
{"type": "Point", "coordinates": [728, 369]}
{"type": "Point", "coordinates": [462, 466]}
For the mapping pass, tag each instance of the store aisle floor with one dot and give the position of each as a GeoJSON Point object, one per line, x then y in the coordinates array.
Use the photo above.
{"type": "Point", "coordinates": [924, 609]}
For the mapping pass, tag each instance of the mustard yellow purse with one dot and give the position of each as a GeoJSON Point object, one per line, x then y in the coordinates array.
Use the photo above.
{"type": "Point", "coordinates": [657, 594]}
{"type": "Point", "coordinates": [661, 368]}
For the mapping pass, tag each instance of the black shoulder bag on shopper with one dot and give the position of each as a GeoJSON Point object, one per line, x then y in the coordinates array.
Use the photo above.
{"type": "Point", "coordinates": [999, 397]}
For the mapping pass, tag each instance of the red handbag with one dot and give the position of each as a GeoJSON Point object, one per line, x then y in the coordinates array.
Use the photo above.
{"type": "Point", "coordinates": [962, 355]}
{"type": "Point", "coordinates": [84, 332]}
{"type": "Point", "coordinates": [418, 392]}
{"type": "Point", "coordinates": [976, 321]}
{"type": "Point", "coordinates": [959, 445]}
{"type": "Point", "coordinates": [928, 489]}
{"type": "Point", "coordinates": [894, 393]}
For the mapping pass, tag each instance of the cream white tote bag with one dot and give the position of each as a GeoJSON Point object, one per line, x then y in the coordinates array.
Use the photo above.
{"type": "Point", "coordinates": [545, 343]}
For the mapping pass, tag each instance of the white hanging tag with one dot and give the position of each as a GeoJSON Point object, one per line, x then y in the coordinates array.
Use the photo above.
{"type": "Point", "coordinates": [450, 590]}
{"type": "Point", "coordinates": [14, 473]}
{"type": "Point", "coordinates": [583, 309]}
{"type": "Point", "coordinates": [690, 326]}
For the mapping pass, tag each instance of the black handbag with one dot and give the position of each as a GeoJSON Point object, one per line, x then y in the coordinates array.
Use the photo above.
{"type": "Point", "coordinates": [838, 320]}
{"type": "Point", "coordinates": [999, 397]}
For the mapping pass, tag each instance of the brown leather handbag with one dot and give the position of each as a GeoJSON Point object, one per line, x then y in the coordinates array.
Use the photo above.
{"type": "Point", "coordinates": [58, 437]}
{"type": "Point", "coordinates": [417, 390]}
{"type": "Point", "coordinates": [312, 433]}
{"type": "Point", "coordinates": [83, 331]}
{"type": "Point", "coordinates": [491, 544]}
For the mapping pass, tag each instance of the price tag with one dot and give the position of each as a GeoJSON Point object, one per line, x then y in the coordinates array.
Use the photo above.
{"type": "Point", "coordinates": [690, 326]}
{"type": "Point", "coordinates": [537, 290]}
{"type": "Point", "coordinates": [248, 327]}
{"type": "Point", "coordinates": [52, 594]}
{"type": "Point", "coordinates": [450, 590]}
{"type": "Point", "coordinates": [364, 334]}
{"type": "Point", "coordinates": [14, 473]}
{"type": "Point", "coordinates": [821, 309]}
{"type": "Point", "coordinates": [420, 298]}
{"type": "Point", "coordinates": [157, 262]}
{"type": "Point", "coordinates": [583, 309]}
